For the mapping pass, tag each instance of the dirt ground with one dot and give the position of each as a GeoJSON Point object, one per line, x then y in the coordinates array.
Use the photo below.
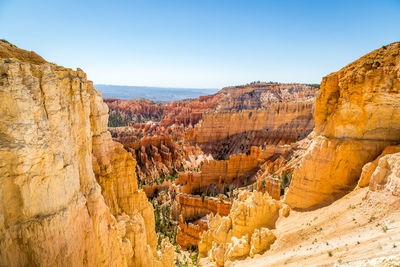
{"type": "Point", "coordinates": [360, 226]}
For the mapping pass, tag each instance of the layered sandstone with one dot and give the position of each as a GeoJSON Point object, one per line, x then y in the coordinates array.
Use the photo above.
{"type": "Point", "coordinates": [156, 156]}
{"type": "Point", "coordinates": [243, 232]}
{"type": "Point", "coordinates": [54, 145]}
{"type": "Point", "coordinates": [192, 207]}
{"type": "Point", "coordinates": [189, 233]}
{"type": "Point", "coordinates": [135, 118]}
{"type": "Point", "coordinates": [355, 230]}
{"type": "Point", "coordinates": [270, 185]}
{"type": "Point", "coordinates": [226, 123]}
{"type": "Point", "coordinates": [357, 115]}
{"type": "Point", "coordinates": [129, 112]}
{"type": "Point", "coordinates": [359, 229]}
{"type": "Point", "coordinates": [221, 173]}
{"type": "Point", "coordinates": [256, 115]}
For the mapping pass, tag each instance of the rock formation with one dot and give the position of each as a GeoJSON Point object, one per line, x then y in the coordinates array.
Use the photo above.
{"type": "Point", "coordinates": [192, 207]}
{"type": "Point", "coordinates": [244, 231]}
{"type": "Point", "coordinates": [221, 174]}
{"type": "Point", "coordinates": [357, 115]}
{"type": "Point", "coordinates": [136, 118]}
{"type": "Point", "coordinates": [189, 234]}
{"type": "Point", "coordinates": [229, 122]}
{"type": "Point", "coordinates": [156, 156]}
{"type": "Point", "coordinates": [54, 144]}
{"type": "Point", "coordinates": [386, 176]}
{"type": "Point", "coordinates": [192, 212]}
{"type": "Point", "coordinates": [256, 115]}
{"type": "Point", "coordinates": [130, 112]}
{"type": "Point", "coordinates": [356, 139]}
{"type": "Point", "coordinates": [369, 168]}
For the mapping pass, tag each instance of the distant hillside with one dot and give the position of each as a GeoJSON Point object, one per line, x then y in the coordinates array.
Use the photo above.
{"type": "Point", "coordinates": [157, 94]}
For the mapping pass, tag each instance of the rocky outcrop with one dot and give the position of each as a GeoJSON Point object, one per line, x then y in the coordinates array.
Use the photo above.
{"type": "Point", "coordinates": [244, 231]}
{"type": "Point", "coordinates": [261, 240]}
{"type": "Point", "coordinates": [193, 207]}
{"type": "Point", "coordinates": [189, 234]}
{"type": "Point", "coordinates": [54, 144]}
{"type": "Point", "coordinates": [369, 168]}
{"type": "Point", "coordinates": [221, 174]}
{"type": "Point", "coordinates": [146, 118]}
{"type": "Point", "coordinates": [271, 186]}
{"type": "Point", "coordinates": [130, 112]}
{"type": "Point", "coordinates": [386, 176]}
{"type": "Point", "coordinates": [8, 50]}
{"type": "Point", "coordinates": [154, 189]}
{"type": "Point", "coordinates": [156, 156]}
{"type": "Point", "coordinates": [357, 115]}
{"type": "Point", "coordinates": [159, 157]}
{"type": "Point", "coordinates": [256, 115]}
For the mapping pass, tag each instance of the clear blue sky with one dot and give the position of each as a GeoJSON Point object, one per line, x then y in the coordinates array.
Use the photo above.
{"type": "Point", "coordinates": [203, 43]}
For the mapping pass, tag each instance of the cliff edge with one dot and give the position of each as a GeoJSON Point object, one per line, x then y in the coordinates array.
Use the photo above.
{"type": "Point", "coordinates": [54, 143]}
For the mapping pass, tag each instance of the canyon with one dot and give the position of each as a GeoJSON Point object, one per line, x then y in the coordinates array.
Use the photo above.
{"type": "Point", "coordinates": [257, 174]}
{"type": "Point", "coordinates": [328, 219]}
{"type": "Point", "coordinates": [201, 157]}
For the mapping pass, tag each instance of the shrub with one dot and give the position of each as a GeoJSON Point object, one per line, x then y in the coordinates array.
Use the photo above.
{"type": "Point", "coordinates": [5, 41]}
{"type": "Point", "coordinates": [263, 184]}
{"type": "Point", "coordinates": [285, 181]}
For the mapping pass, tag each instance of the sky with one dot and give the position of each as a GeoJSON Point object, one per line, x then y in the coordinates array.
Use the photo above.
{"type": "Point", "coordinates": [201, 43]}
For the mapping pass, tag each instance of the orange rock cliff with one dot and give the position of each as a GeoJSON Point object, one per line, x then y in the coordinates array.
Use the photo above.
{"type": "Point", "coordinates": [69, 193]}
{"type": "Point", "coordinates": [221, 174]}
{"type": "Point", "coordinates": [357, 115]}
{"type": "Point", "coordinates": [256, 115]}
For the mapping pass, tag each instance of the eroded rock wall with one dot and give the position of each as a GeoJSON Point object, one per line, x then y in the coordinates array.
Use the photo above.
{"type": "Point", "coordinates": [245, 231]}
{"type": "Point", "coordinates": [256, 115]}
{"type": "Point", "coordinates": [189, 234]}
{"type": "Point", "coordinates": [53, 127]}
{"type": "Point", "coordinates": [222, 173]}
{"type": "Point", "coordinates": [357, 115]}
{"type": "Point", "coordinates": [192, 207]}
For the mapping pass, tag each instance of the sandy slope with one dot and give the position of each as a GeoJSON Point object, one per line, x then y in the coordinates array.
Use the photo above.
{"type": "Point", "coordinates": [361, 225]}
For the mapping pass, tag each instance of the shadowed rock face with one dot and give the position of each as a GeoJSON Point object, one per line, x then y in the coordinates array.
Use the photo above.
{"type": "Point", "coordinates": [357, 115]}
{"type": "Point", "coordinates": [55, 151]}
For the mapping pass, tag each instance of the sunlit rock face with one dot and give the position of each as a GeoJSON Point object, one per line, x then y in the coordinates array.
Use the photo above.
{"type": "Point", "coordinates": [357, 115]}
{"type": "Point", "coordinates": [54, 144]}
{"type": "Point", "coordinates": [226, 123]}
{"type": "Point", "coordinates": [369, 168]}
{"type": "Point", "coordinates": [256, 115]}
{"type": "Point", "coordinates": [386, 176]}
{"type": "Point", "coordinates": [245, 231]}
